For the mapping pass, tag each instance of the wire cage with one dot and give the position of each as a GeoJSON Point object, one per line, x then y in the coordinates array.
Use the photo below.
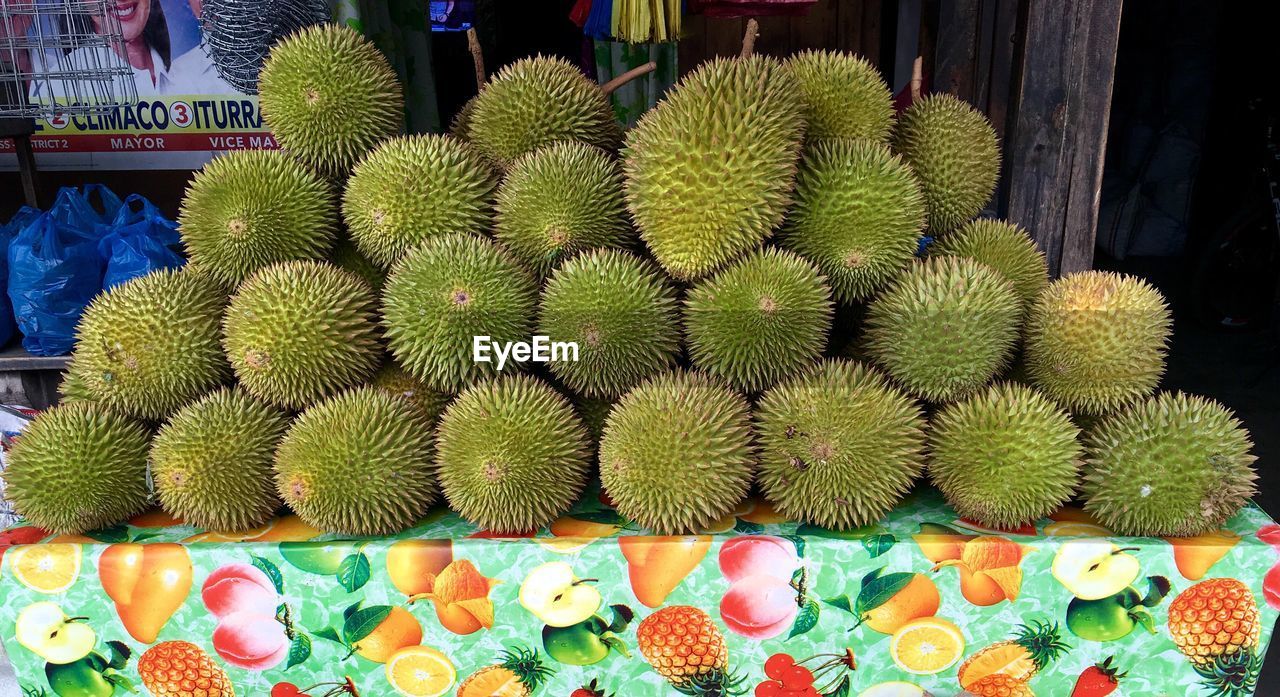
{"type": "Point", "coordinates": [238, 34]}
{"type": "Point", "coordinates": [62, 57]}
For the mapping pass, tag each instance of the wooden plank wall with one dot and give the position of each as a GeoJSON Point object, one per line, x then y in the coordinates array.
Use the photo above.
{"type": "Point", "coordinates": [848, 25]}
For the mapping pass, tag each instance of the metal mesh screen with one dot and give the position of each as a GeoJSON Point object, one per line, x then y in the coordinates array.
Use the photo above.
{"type": "Point", "coordinates": [238, 34]}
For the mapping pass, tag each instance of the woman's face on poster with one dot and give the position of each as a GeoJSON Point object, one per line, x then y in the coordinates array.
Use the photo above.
{"type": "Point", "coordinates": [132, 15]}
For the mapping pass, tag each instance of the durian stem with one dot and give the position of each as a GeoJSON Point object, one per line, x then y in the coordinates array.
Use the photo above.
{"type": "Point", "coordinates": [477, 56]}
{"type": "Point", "coordinates": [917, 78]}
{"type": "Point", "coordinates": [612, 86]}
{"type": "Point", "coordinates": [749, 39]}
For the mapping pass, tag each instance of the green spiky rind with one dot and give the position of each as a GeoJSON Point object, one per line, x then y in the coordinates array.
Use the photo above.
{"type": "Point", "coordinates": [152, 344]}
{"type": "Point", "coordinates": [1005, 456]}
{"type": "Point", "coordinates": [559, 201]}
{"type": "Point", "coordinates": [73, 389]}
{"type": "Point", "coordinates": [839, 445]}
{"type": "Point", "coordinates": [1231, 675]}
{"type": "Point", "coordinates": [945, 328]}
{"type": "Point", "coordinates": [759, 320]}
{"type": "Point", "coordinates": [858, 215]}
{"type": "Point", "coordinates": [512, 454]}
{"type": "Point", "coordinates": [78, 468]}
{"type": "Point", "coordinates": [460, 127]}
{"type": "Point", "coordinates": [622, 314]}
{"type": "Point", "coordinates": [845, 96]}
{"type": "Point", "coordinates": [1173, 465]}
{"type": "Point", "coordinates": [358, 463]}
{"type": "Point", "coordinates": [594, 412]}
{"type": "Point", "coordinates": [1095, 341]}
{"type": "Point", "coordinates": [346, 257]}
{"type": "Point", "coordinates": [212, 461]}
{"type": "Point", "coordinates": [298, 332]}
{"type": "Point", "coordinates": [249, 209]}
{"type": "Point", "coordinates": [1043, 642]}
{"type": "Point", "coordinates": [952, 148]}
{"type": "Point", "coordinates": [535, 102]}
{"type": "Point", "coordinates": [677, 452]}
{"type": "Point", "coordinates": [446, 292]}
{"type": "Point", "coordinates": [1005, 247]}
{"type": "Point", "coordinates": [414, 187]}
{"type": "Point", "coordinates": [710, 170]}
{"type": "Point", "coordinates": [397, 382]}
{"type": "Point", "coordinates": [329, 96]}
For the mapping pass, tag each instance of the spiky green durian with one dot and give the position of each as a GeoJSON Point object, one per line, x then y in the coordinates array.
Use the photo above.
{"type": "Point", "coordinates": [1005, 247]}
{"type": "Point", "coordinates": [397, 382]}
{"type": "Point", "coordinates": [460, 127]}
{"type": "Point", "coordinates": [1172, 465]}
{"type": "Point", "coordinates": [839, 445]}
{"type": "Point", "coordinates": [150, 345]}
{"type": "Point", "coordinates": [535, 102]}
{"type": "Point", "coordinates": [73, 389]}
{"type": "Point", "coordinates": [710, 170]}
{"type": "Point", "coordinates": [677, 453]}
{"type": "Point", "coordinates": [1004, 456]}
{"type": "Point", "coordinates": [559, 201]}
{"type": "Point", "coordinates": [249, 209]}
{"type": "Point", "coordinates": [593, 411]}
{"type": "Point", "coordinates": [301, 331]}
{"type": "Point", "coordinates": [845, 96]}
{"type": "Point", "coordinates": [1095, 340]}
{"type": "Point", "coordinates": [414, 187]}
{"type": "Point", "coordinates": [512, 454]}
{"type": "Point", "coordinates": [858, 215]}
{"type": "Point", "coordinates": [329, 96]}
{"type": "Point", "coordinates": [358, 463]}
{"type": "Point", "coordinates": [944, 328]}
{"type": "Point", "coordinates": [759, 320]}
{"type": "Point", "coordinates": [953, 150]}
{"type": "Point", "coordinates": [346, 257]}
{"type": "Point", "coordinates": [622, 315]}
{"type": "Point", "coordinates": [77, 468]}
{"type": "Point", "coordinates": [445, 293]}
{"type": "Point", "coordinates": [211, 462]}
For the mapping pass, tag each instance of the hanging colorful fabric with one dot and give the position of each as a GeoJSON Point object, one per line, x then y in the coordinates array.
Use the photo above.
{"type": "Point", "coordinates": [599, 20]}
{"type": "Point", "coordinates": [580, 12]}
{"type": "Point", "coordinates": [639, 21]}
{"type": "Point", "coordinates": [750, 8]}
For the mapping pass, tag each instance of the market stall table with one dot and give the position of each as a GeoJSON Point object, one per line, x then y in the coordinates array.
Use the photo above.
{"type": "Point", "coordinates": [921, 599]}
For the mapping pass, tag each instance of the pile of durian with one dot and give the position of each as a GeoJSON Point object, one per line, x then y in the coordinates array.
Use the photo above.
{"type": "Point", "coordinates": [318, 349]}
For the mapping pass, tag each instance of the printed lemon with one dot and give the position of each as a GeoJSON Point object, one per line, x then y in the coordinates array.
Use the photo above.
{"type": "Point", "coordinates": [919, 598]}
{"type": "Point", "coordinates": [399, 630]}
{"type": "Point", "coordinates": [419, 671]}
{"type": "Point", "coordinates": [926, 646]}
{"type": "Point", "coordinates": [46, 568]}
{"type": "Point", "coordinates": [894, 689]}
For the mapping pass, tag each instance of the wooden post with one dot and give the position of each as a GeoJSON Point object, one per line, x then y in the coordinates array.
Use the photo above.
{"type": "Point", "coordinates": [1061, 103]}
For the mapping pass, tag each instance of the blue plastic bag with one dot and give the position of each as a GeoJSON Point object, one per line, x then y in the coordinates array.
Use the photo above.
{"type": "Point", "coordinates": [54, 271]}
{"type": "Point", "coordinates": [10, 230]}
{"type": "Point", "coordinates": [76, 207]}
{"type": "Point", "coordinates": [139, 241]}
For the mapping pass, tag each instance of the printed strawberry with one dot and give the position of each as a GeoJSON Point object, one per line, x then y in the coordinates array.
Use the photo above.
{"type": "Point", "coordinates": [1098, 680]}
{"type": "Point", "coordinates": [591, 689]}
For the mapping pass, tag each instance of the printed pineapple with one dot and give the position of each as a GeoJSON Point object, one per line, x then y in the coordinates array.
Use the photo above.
{"type": "Point", "coordinates": [182, 669]}
{"type": "Point", "coordinates": [520, 673]}
{"type": "Point", "coordinates": [1215, 625]}
{"type": "Point", "coordinates": [686, 648]}
{"type": "Point", "coordinates": [1005, 668]}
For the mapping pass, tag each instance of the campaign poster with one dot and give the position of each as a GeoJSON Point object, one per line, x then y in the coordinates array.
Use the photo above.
{"type": "Point", "coordinates": [184, 112]}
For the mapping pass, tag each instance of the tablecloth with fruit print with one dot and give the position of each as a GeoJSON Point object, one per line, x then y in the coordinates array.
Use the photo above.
{"type": "Point", "coordinates": [923, 603]}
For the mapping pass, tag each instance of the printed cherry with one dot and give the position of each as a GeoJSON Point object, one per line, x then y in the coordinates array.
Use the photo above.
{"type": "Point", "coordinates": [777, 665]}
{"type": "Point", "coordinates": [285, 689]}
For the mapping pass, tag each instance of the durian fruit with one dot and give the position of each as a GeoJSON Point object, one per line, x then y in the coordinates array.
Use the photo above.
{"type": "Point", "coordinates": [594, 412]}
{"type": "Point", "coordinates": [710, 170]}
{"type": "Point", "coordinates": [945, 327]}
{"type": "Point", "coordinates": [845, 95]}
{"type": "Point", "coordinates": [839, 445]}
{"type": "Point", "coordinates": [460, 127]}
{"type": "Point", "coordinates": [1005, 247]}
{"type": "Point", "coordinates": [512, 454]}
{"type": "Point", "coordinates": [72, 388]}
{"type": "Point", "coordinates": [414, 187]}
{"type": "Point", "coordinates": [677, 453]}
{"type": "Point", "coordinates": [397, 382]}
{"type": "Point", "coordinates": [535, 102]}
{"type": "Point", "coordinates": [358, 463]}
{"type": "Point", "coordinates": [1173, 465]}
{"type": "Point", "coordinates": [759, 320]}
{"type": "Point", "coordinates": [858, 215]}
{"type": "Point", "coordinates": [301, 331]}
{"type": "Point", "coordinates": [1004, 456]}
{"type": "Point", "coordinates": [558, 201]}
{"type": "Point", "coordinates": [212, 461]}
{"type": "Point", "coordinates": [329, 96]}
{"type": "Point", "coordinates": [952, 148]}
{"type": "Point", "coordinates": [150, 345]}
{"type": "Point", "coordinates": [443, 295]}
{"type": "Point", "coordinates": [77, 468]}
{"type": "Point", "coordinates": [346, 257]}
{"type": "Point", "coordinates": [1095, 341]}
{"type": "Point", "coordinates": [621, 313]}
{"type": "Point", "coordinates": [249, 209]}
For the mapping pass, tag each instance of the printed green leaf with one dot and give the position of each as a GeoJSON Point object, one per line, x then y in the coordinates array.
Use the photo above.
{"type": "Point", "coordinates": [798, 541]}
{"type": "Point", "coordinates": [1157, 588]}
{"type": "Point", "coordinates": [112, 535]}
{"type": "Point", "coordinates": [840, 602]}
{"type": "Point", "coordinates": [747, 527]}
{"type": "Point", "coordinates": [879, 544]}
{"type": "Point", "coordinates": [622, 616]}
{"type": "Point", "coordinates": [363, 622]}
{"type": "Point", "coordinates": [1144, 618]}
{"type": "Point", "coordinates": [806, 619]}
{"type": "Point", "coordinates": [120, 654]}
{"type": "Point", "coordinates": [872, 576]}
{"type": "Point", "coordinates": [353, 572]}
{"type": "Point", "coordinates": [841, 690]}
{"type": "Point", "coordinates": [604, 517]}
{"type": "Point", "coordinates": [880, 590]}
{"type": "Point", "coordinates": [299, 650]}
{"type": "Point", "coordinates": [616, 644]}
{"type": "Point", "coordinates": [328, 633]}
{"type": "Point", "coordinates": [119, 680]}
{"type": "Point", "coordinates": [271, 570]}
{"type": "Point", "coordinates": [347, 613]}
